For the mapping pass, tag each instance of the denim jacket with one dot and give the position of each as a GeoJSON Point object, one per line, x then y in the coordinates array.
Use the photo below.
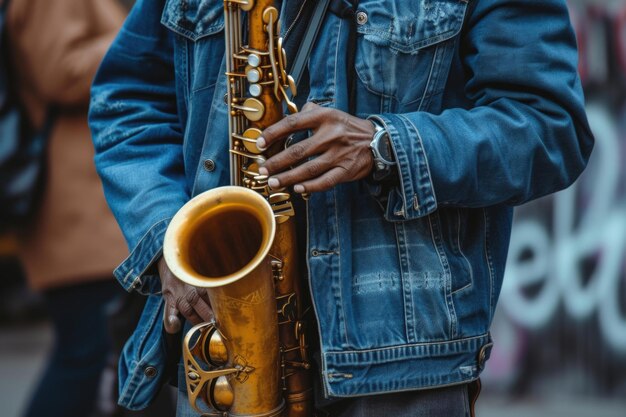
{"type": "Point", "coordinates": [485, 111]}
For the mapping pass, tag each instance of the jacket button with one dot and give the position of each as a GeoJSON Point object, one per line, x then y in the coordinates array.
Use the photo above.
{"type": "Point", "coordinates": [150, 371]}
{"type": "Point", "coordinates": [209, 165]}
{"type": "Point", "coordinates": [361, 18]}
{"type": "Point", "coordinates": [482, 355]}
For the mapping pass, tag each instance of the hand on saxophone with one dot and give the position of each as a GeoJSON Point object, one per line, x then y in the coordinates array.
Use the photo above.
{"type": "Point", "coordinates": [182, 300]}
{"type": "Point", "coordinates": [340, 144]}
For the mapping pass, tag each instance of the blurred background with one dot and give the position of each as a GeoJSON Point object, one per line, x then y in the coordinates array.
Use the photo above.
{"type": "Point", "coordinates": [560, 331]}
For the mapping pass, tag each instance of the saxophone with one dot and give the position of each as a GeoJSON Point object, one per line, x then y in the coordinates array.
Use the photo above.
{"type": "Point", "coordinates": [239, 242]}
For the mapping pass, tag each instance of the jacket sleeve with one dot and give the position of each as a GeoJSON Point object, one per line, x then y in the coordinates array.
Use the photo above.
{"type": "Point", "coordinates": [526, 134]}
{"type": "Point", "coordinates": [138, 139]}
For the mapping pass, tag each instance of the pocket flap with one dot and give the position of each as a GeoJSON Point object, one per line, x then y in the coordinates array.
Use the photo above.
{"type": "Point", "coordinates": [410, 26]}
{"type": "Point", "coordinates": [193, 19]}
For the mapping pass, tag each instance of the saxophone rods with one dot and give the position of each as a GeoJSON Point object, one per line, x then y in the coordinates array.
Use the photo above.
{"type": "Point", "coordinates": [239, 242]}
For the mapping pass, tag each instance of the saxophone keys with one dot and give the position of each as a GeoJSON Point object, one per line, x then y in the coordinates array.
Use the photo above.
{"type": "Point", "coordinates": [254, 60]}
{"type": "Point", "coordinates": [279, 198]}
{"type": "Point", "coordinates": [291, 106]}
{"type": "Point", "coordinates": [216, 351]}
{"type": "Point", "coordinates": [222, 394]}
{"type": "Point", "coordinates": [245, 5]}
{"type": "Point", "coordinates": [255, 90]}
{"type": "Point", "coordinates": [253, 75]}
{"type": "Point", "coordinates": [249, 138]}
{"type": "Point", "coordinates": [270, 15]}
{"type": "Point", "coordinates": [292, 86]}
{"type": "Point", "coordinates": [282, 57]}
{"type": "Point", "coordinates": [253, 109]}
{"type": "Point", "coordinates": [253, 170]}
{"type": "Point", "coordinates": [246, 155]}
{"type": "Point", "coordinates": [281, 219]}
{"type": "Point", "coordinates": [281, 206]}
{"type": "Point", "coordinates": [289, 308]}
{"type": "Point", "coordinates": [303, 345]}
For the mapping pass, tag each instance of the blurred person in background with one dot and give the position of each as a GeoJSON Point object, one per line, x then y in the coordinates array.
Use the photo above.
{"type": "Point", "coordinates": [73, 243]}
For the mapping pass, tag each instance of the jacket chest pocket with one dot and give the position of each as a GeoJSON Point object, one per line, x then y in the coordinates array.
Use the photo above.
{"type": "Point", "coordinates": [404, 47]}
{"type": "Point", "coordinates": [199, 25]}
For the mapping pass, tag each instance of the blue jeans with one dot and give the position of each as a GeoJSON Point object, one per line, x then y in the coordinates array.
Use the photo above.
{"type": "Point", "coordinates": [69, 384]}
{"type": "Point", "coordinates": [451, 401]}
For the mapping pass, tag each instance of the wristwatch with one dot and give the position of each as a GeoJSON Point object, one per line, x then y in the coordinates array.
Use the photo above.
{"type": "Point", "coordinates": [384, 160]}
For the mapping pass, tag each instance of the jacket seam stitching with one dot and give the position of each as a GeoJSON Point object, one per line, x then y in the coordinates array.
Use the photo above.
{"type": "Point", "coordinates": [489, 264]}
{"type": "Point", "coordinates": [428, 80]}
{"type": "Point", "coordinates": [458, 242]}
{"type": "Point", "coordinates": [443, 262]}
{"type": "Point", "coordinates": [421, 44]}
{"type": "Point", "coordinates": [393, 390]}
{"type": "Point", "coordinates": [438, 59]}
{"type": "Point", "coordinates": [411, 335]}
{"type": "Point", "coordinates": [426, 164]}
{"type": "Point", "coordinates": [447, 342]}
{"type": "Point", "coordinates": [344, 330]}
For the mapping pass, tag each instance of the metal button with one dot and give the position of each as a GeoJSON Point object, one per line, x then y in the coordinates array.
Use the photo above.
{"type": "Point", "coordinates": [209, 165]}
{"type": "Point", "coordinates": [481, 358]}
{"type": "Point", "coordinates": [361, 18]}
{"type": "Point", "coordinates": [482, 355]}
{"type": "Point", "coordinates": [150, 372]}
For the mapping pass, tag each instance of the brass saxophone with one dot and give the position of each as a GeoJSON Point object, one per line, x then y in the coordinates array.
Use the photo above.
{"type": "Point", "coordinates": [239, 242]}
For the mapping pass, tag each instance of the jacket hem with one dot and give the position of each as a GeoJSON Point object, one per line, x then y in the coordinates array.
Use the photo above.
{"type": "Point", "coordinates": [406, 367]}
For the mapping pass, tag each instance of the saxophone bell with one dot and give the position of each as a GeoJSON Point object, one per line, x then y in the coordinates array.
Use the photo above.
{"type": "Point", "coordinates": [220, 240]}
{"type": "Point", "coordinates": [219, 237]}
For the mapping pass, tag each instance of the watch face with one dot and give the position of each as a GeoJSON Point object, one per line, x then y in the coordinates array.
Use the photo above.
{"type": "Point", "coordinates": [384, 160]}
{"type": "Point", "coordinates": [383, 146]}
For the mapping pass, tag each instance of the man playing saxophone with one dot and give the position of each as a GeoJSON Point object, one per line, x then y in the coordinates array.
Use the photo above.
{"type": "Point", "coordinates": [422, 124]}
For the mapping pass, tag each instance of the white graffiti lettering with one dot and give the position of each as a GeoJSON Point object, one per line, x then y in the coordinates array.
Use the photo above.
{"type": "Point", "coordinates": [592, 230]}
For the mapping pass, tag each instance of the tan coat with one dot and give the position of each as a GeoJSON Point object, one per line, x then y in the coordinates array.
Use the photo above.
{"type": "Point", "coordinates": [57, 46]}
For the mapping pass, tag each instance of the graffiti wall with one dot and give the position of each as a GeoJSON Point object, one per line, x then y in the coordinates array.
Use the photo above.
{"type": "Point", "coordinates": [561, 324]}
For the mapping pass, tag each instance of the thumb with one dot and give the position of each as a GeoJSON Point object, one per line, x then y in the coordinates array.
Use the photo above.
{"type": "Point", "coordinates": [171, 318]}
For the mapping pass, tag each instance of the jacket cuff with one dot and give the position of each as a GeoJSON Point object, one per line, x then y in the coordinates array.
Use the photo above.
{"type": "Point", "coordinates": [414, 196]}
{"type": "Point", "coordinates": [138, 271]}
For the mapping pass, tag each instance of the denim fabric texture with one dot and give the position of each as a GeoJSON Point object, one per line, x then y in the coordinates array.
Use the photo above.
{"type": "Point", "coordinates": [485, 111]}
